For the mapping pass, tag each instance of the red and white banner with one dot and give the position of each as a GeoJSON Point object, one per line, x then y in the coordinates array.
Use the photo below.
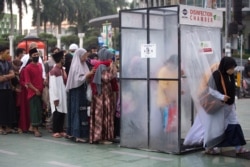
{"type": "Point", "coordinates": [206, 47]}
{"type": "Point", "coordinates": [191, 15]}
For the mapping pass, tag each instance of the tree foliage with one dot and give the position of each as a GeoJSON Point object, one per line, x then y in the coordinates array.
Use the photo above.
{"type": "Point", "coordinates": [76, 12]}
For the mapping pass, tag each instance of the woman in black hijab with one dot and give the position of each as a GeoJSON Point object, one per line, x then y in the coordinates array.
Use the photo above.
{"type": "Point", "coordinates": [227, 132]}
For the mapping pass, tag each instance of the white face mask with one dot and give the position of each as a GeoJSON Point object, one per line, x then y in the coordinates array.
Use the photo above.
{"type": "Point", "coordinates": [72, 53]}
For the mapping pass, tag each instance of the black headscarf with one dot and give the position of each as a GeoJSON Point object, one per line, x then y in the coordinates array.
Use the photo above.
{"type": "Point", "coordinates": [225, 64]}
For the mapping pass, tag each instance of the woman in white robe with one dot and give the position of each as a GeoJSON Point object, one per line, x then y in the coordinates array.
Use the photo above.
{"type": "Point", "coordinates": [220, 128]}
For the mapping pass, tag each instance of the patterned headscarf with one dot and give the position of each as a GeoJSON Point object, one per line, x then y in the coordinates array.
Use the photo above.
{"type": "Point", "coordinates": [103, 54]}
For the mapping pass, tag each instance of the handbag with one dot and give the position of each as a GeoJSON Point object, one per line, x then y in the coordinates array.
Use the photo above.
{"type": "Point", "coordinates": [209, 103]}
{"type": "Point", "coordinates": [89, 93]}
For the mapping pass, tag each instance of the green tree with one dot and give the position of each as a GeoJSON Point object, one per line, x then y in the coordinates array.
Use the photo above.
{"type": "Point", "coordinates": [58, 11]}
{"type": "Point", "coordinates": [67, 40]}
{"type": "Point", "coordinates": [122, 4]}
{"type": "Point", "coordinates": [20, 5]}
{"type": "Point", "coordinates": [36, 6]}
{"type": "Point", "coordinates": [49, 38]}
{"type": "Point", "coordinates": [105, 7]}
{"type": "Point", "coordinates": [85, 9]}
{"type": "Point", "coordinates": [10, 7]}
{"type": "Point", "coordinates": [1, 9]}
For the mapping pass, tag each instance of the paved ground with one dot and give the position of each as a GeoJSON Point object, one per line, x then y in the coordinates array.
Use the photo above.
{"type": "Point", "coordinates": [24, 150]}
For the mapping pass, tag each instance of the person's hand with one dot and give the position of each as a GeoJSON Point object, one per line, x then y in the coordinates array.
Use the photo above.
{"type": "Point", "coordinates": [38, 93]}
{"type": "Point", "coordinates": [226, 98]}
{"type": "Point", "coordinates": [45, 82]}
{"type": "Point", "coordinates": [93, 71]}
{"type": "Point", "coordinates": [113, 67]}
{"type": "Point", "coordinates": [56, 102]}
{"type": "Point", "coordinates": [18, 90]}
{"type": "Point", "coordinates": [3, 78]}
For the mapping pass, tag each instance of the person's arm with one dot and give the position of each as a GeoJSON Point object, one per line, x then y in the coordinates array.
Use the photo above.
{"type": "Point", "coordinates": [214, 92]}
{"type": "Point", "coordinates": [53, 89]}
{"type": "Point", "coordinates": [29, 85]}
{"type": "Point", "coordinates": [7, 77]}
{"type": "Point", "coordinates": [43, 68]}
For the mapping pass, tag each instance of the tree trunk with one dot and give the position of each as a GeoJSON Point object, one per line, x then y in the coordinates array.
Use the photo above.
{"type": "Point", "coordinates": [20, 17]}
{"type": "Point", "coordinates": [59, 28]}
{"type": "Point", "coordinates": [79, 26]}
{"type": "Point", "coordinates": [11, 20]}
{"type": "Point", "coordinates": [45, 26]}
{"type": "Point", "coordinates": [38, 17]}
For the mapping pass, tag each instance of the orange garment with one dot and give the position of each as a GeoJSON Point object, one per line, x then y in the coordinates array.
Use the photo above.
{"type": "Point", "coordinates": [167, 90]}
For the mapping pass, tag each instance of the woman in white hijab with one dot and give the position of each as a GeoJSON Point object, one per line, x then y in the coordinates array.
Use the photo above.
{"type": "Point", "coordinates": [79, 74]}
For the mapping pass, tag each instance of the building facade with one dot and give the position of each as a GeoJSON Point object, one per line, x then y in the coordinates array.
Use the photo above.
{"type": "Point", "coordinates": [200, 3]}
{"type": "Point", "coordinates": [5, 24]}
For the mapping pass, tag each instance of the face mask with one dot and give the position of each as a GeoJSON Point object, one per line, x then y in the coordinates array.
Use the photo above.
{"type": "Point", "coordinates": [35, 59]}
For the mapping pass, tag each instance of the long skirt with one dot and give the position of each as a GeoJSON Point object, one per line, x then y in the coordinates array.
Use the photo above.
{"type": "Point", "coordinates": [78, 122]}
{"type": "Point", "coordinates": [24, 120]}
{"type": "Point", "coordinates": [7, 107]}
{"type": "Point", "coordinates": [36, 110]}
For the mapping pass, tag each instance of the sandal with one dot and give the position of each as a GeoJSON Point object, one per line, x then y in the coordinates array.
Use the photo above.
{"type": "Point", "coordinates": [63, 134]}
{"type": "Point", "coordinates": [3, 132]}
{"type": "Point", "coordinates": [10, 131]}
{"type": "Point", "coordinates": [56, 135]}
{"type": "Point", "coordinates": [37, 134]}
{"type": "Point", "coordinates": [68, 137]}
{"type": "Point", "coordinates": [213, 151]}
{"type": "Point", "coordinates": [242, 150]}
{"type": "Point", "coordinates": [105, 142]}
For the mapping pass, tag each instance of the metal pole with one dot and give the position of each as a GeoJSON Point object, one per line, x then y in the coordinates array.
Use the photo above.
{"type": "Point", "coordinates": [241, 45]}
{"type": "Point", "coordinates": [227, 21]}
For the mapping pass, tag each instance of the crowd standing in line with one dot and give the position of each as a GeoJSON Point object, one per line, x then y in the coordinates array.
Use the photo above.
{"type": "Point", "coordinates": [58, 86]}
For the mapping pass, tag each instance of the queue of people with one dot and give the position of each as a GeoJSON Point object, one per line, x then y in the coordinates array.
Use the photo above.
{"type": "Point", "coordinates": [22, 83]}
{"type": "Point", "coordinates": [66, 76]}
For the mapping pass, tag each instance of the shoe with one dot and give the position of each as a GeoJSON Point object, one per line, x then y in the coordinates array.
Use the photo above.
{"type": "Point", "coordinates": [56, 135]}
{"type": "Point", "coordinates": [242, 150]}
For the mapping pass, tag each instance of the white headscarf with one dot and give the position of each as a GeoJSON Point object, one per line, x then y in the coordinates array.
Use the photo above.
{"type": "Point", "coordinates": [78, 70]}
{"type": "Point", "coordinates": [24, 59]}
